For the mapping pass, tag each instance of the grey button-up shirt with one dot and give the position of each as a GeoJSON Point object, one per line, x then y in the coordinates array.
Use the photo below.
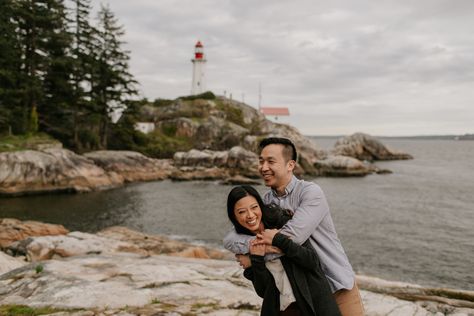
{"type": "Point", "coordinates": [311, 219]}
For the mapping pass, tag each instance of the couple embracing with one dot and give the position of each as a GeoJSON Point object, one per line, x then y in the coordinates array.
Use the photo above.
{"type": "Point", "coordinates": [287, 242]}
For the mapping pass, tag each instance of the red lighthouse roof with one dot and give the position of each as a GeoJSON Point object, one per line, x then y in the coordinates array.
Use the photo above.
{"type": "Point", "coordinates": [198, 44]}
{"type": "Point", "coordinates": [275, 111]}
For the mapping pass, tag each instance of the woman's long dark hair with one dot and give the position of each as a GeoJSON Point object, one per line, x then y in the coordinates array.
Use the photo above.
{"type": "Point", "coordinates": [273, 216]}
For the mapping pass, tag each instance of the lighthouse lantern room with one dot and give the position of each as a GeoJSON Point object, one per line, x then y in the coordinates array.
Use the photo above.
{"type": "Point", "coordinates": [199, 83]}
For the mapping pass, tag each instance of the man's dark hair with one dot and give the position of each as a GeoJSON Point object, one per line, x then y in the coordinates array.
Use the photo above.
{"type": "Point", "coordinates": [289, 149]}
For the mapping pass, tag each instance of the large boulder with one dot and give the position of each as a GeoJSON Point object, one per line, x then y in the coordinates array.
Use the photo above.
{"type": "Point", "coordinates": [72, 244]}
{"type": "Point", "coordinates": [110, 240]}
{"type": "Point", "coordinates": [365, 147]}
{"type": "Point", "coordinates": [208, 164]}
{"type": "Point", "coordinates": [8, 263]}
{"type": "Point", "coordinates": [179, 127]}
{"type": "Point", "coordinates": [12, 230]}
{"type": "Point", "coordinates": [156, 244]}
{"type": "Point", "coordinates": [342, 166]}
{"type": "Point", "coordinates": [52, 169]}
{"type": "Point", "coordinates": [131, 166]}
{"type": "Point", "coordinates": [201, 158]}
{"type": "Point", "coordinates": [217, 133]}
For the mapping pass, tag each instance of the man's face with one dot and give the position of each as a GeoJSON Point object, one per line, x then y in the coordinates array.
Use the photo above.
{"type": "Point", "coordinates": [273, 167]}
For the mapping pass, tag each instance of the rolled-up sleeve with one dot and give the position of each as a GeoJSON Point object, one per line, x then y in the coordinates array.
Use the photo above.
{"type": "Point", "coordinates": [237, 243]}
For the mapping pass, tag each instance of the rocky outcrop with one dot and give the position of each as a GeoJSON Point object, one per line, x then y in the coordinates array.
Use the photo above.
{"type": "Point", "coordinates": [413, 292]}
{"type": "Point", "coordinates": [130, 165]}
{"type": "Point", "coordinates": [53, 169]}
{"type": "Point", "coordinates": [12, 230]}
{"type": "Point", "coordinates": [122, 272]}
{"type": "Point", "coordinates": [108, 241]}
{"type": "Point", "coordinates": [365, 147]}
{"type": "Point", "coordinates": [213, 165]}
{"type": "Point", "coordinates": [8, 263]}
{"type": "Point", "coordinates": [343, 166]}
{"type": "Point", "coordinates": [162, 285]}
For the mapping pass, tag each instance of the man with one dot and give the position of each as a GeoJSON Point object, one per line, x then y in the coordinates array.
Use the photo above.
{"type": "Point", "coordinates": [312, 219]}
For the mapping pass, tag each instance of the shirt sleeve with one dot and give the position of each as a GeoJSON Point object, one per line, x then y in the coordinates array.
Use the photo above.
{"type": "Point", "coordinates": [237, 243]}
{"type": "Point", "coordinates": [312, 209]}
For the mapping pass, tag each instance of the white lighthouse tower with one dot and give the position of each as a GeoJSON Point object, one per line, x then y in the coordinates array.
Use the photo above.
{"type": "Point", "coordinates": [199, 79]}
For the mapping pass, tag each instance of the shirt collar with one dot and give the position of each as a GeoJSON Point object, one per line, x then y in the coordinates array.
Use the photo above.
{"type": "Point", "coordinates": [289, 188]}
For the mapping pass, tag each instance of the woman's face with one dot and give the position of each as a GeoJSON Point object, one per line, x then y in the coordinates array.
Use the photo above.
{"type": "Point", "coordinates": [248, 213]}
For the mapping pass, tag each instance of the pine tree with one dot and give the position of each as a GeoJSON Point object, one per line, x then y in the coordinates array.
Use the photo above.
{"type": "Point", "coordinates": [113, 84]}
{"type": "Point", "coordinates": [31, 16]}
{"type": "Point", "coordinates": [10, 60]}
{"type": "Point", "coordinates": [84, 53]}
{"type": "Point", "coordinates": [57, 83]}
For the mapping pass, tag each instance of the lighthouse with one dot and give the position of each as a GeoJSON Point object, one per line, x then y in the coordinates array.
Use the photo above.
{"type": "Point", "coordinates": [199, 79]}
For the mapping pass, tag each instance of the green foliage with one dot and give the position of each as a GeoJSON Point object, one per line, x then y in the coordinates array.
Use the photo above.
{"type": "Point", "coordinates": [162, 102]}
{"type": "Point", "coordinates": [33, 126]}
{"type": "Point", "coordinates": [169, 129]}
{"type": "Point", "coordinates": [22, 310]}
{"type": "Point", "coordinates": [39, 268]}
{"type": "Point", "coordinates": [58, 73]}
{"type": "Point", "coordinates": [208, 95]}
{"type": "Point", "coordinates": [88, 139]}
{"type": "Point", "coordinates": [233, 114]}
{"type": "Point", "coordinates": [23, 142]}
{"type": "Point", "coordinates": [163, 146]}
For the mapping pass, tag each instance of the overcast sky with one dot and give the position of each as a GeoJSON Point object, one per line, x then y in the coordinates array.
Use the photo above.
{"type": "Point", "coordinates": [380, 67]}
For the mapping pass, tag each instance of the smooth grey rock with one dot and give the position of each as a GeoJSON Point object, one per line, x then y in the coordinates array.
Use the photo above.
{"type": "Point", "coordinates": [365, 147]}
{"type": "Point", "coordinates": [52, 169]}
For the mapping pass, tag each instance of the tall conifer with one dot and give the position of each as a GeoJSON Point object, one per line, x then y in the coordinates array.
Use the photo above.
{"type": "Point", "coordinates": [113, 83]}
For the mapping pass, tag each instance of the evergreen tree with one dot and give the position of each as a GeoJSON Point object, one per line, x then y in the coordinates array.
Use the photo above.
{"type": "Point", "coordinates": [32, 17]}
{"type": "Point", "coordinates": [10, 60]}
{"type": "Point", "coordinates": [84, 52]}
{"type": "Point", "coordinates": [113, 84]}
{"type": "Point", "coordinates": [56, 112]}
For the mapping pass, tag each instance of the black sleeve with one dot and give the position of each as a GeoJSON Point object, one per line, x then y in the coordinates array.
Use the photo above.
{"type": "Point", "coordinates": [300, 255]}
{"type": "Point", "coordinates": [259, 275]}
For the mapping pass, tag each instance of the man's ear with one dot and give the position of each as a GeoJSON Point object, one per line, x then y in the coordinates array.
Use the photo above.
{"type": "Point", "coordinates": [291, 165]}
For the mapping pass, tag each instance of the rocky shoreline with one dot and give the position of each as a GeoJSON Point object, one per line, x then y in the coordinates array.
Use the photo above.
{"type": "Point", "coordinates": [56, 169]}
{"type": "Point", "coordinates": [123, 272]}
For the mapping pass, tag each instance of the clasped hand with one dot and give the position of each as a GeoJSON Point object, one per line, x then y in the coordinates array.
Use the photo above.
{"type": "Point", "coordinates": [263, 243]}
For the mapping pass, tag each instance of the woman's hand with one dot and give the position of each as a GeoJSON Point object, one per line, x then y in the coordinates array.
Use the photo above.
{"type": "Point", "coordinates": [244, 261]}
{"type": "Point", "coordinates": [257, 248]}
{"type": "Point", "coordinates": [266, 237]}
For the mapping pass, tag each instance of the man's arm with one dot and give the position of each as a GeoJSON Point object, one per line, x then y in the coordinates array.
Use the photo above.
{"type": "Point", "coordinates": [313, 208]}
{"type": "Point", "coordinates": [237, 243]}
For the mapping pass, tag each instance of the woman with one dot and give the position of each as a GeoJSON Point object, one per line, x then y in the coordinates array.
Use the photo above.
{"type": "Point", "coordinates": [294, 284]}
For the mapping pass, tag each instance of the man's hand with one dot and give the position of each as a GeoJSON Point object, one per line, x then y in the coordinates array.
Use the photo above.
{"type": "Point", "coordinates": [273, 249]}
{"type": "Point", "coordinates": [244, 261]}
{"type": "Point", "coordinates": [257, 248]}
{"type": "Point", "coordinates": [266, 237]}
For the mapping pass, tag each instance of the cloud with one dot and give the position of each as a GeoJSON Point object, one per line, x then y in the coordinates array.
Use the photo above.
{"type": "Point", "coordinates": [389, 67]}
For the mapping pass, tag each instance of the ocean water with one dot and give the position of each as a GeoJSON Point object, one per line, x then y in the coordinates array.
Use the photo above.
{"type": "Point", "coordinates": [415, 225]}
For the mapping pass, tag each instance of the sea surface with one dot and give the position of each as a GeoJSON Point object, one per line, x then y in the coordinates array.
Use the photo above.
{"type": "Point", "coordinates": [415, 225]}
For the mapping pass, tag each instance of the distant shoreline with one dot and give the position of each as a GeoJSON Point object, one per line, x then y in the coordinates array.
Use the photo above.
{"type": "Point", "coordinates": [415, 137]}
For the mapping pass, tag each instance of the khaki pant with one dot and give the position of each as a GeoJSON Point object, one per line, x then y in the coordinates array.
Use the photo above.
{"type": "Point", "coordinates": [350, 302]}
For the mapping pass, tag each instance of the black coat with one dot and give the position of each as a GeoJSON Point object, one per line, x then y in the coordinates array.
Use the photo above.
{"type": "Point", "coordinates": [309, 284]}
